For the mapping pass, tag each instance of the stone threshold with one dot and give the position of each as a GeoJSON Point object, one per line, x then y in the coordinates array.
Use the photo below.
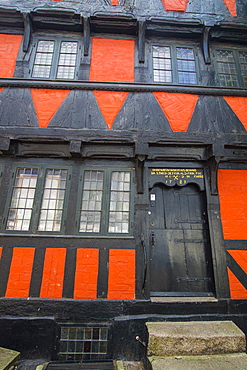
{"type": "Point", "coordinates": [183, 299]}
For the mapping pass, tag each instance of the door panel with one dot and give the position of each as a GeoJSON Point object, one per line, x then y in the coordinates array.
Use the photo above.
{"type": "Point", "coordinates": [180, 250]}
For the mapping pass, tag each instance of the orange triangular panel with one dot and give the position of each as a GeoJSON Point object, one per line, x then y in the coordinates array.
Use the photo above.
{"type": "Point", "coordinates": [114, 2]}
{"type": "Point", "coordinates": [231, 6]}
{"type": "Point", "coordinates": [239, 107]}
{"type": "Point", "coordinates": [237, 289]}
{"type": "Point", "coordinates": [175, 5]}
{"type": "Point", "coordinates": [178, 108]}
{"type": "Point", "coordinates": [240, 256]}
{"type": "Point", "coordinates": [47, 102]}
{"type": "Point", "coordinates": [110, 103]}
{"type": "Point", "coordinates": [1, 89]}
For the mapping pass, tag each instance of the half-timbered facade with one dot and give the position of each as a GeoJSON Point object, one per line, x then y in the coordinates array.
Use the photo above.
{"type": "Point", "coordinates": [123, 171]}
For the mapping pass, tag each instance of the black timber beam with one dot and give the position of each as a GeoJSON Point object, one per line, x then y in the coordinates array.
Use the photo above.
{"type": "Point", "coordinates": [120, 86]}
{"type": "Point", "coordinates": [114, 23]}
{"type": "Point", "coordinates": [28, 29]}
{"type": "Point", "coordinates": [11, 20]}
{"type": "Point", "coordinates": [56, 19]}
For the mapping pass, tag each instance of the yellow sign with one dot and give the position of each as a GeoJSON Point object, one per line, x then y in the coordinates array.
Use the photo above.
{"type": "Point", "coordinates": [179, 175]}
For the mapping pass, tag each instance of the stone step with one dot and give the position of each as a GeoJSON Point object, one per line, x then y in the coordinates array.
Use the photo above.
{"type": "Point", "coordinates": [7, 358]}
{"type": "Point", "coordinates": [220, 362]}
{"type": "Point", "coordinates": [194, 338]}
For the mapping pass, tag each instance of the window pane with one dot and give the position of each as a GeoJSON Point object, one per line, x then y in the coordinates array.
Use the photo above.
{"type": "Point", "coordinates": [162, 66]}
{"type": "Point", "coordinates": [83, 344]}
{"type": "Point", "coordinates": [43, 59]}
{"type": "Point", "coordinates": [186, 66]}
{"type": "Point", "coordinates": [21, 205]}
{"type": "Point", "coordinates": [53, 200]}
{"type": "Point", "coordinates": [243, 63]}
{"type": "Point", "coordinates": [67, 60]}
{"type": "Point", "coordinates": [119, 202]}
{"type": "Point", "coordinates": [91, 206]}
{"type": "Point", "coordinates": [226, 68]}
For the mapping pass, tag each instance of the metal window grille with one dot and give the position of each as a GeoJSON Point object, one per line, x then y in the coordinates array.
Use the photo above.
{"type": "Point", "coordinates": [162, 64]}
{"type": "Point", "coordinates": [43, 59]}
{"type": "Point", "coordinates": [91, 207]}
{"type": "Point", "coordinates": [226, 68]}
{"type": "Point", "coordinates": [243, 64]}
{"type": "Point", "coordinates": [83, 343]}
{"type": "Point", "coordinates": [186, 66]}
{"type": "Point", "coordinates": [119, 202]}
{"type": "Point", "coordinates": [53, 200]}
{"type": "Point", "coordinates": [21, 206]}
{"type": "Point", "coordinates": [67, 60]}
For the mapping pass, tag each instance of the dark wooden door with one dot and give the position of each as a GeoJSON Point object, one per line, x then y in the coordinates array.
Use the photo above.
{"type": "Point", "coordinates": [180, 250]}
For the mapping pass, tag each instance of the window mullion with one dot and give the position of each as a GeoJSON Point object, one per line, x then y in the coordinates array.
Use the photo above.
{"type": "Point", "coordinates": [37, 200]}
{"type": "Point", "coordinates": [105, 203]}
{"type": "Point", "coordinates": [238, 68]}
{"type": "Point", "coordinates": [174, 64]}
{"type": "Point", "coordinates": [55, 58]}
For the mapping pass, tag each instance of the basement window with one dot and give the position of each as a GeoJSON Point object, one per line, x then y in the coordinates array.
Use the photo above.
{"type": "Point", "coordinates": [174, 64]}
{"type": "Point", "coordinates": [83, 343]}
{"type": "Point", "coordinates": [231, 67]}
{"type": "Point", "coordinates": [55, 59]}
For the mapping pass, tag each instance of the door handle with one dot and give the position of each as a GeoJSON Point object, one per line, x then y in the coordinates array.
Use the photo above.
{"type": "Point", "coordinates": [152, 239]}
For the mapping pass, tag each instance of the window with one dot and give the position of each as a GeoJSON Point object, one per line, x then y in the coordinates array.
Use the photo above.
{"type": "Point", "coordinates": [231, 67]}
{"type": "Point", "coordinates": [105, 202]}
{"type": "Point", "coordinates": [55, 59]}
{"type": "Point", "coordinates": [174, 64]}
{"type": "Point", "coordinates": [83, 343]}
{"type": "Point", "coordinates": [37, 199]}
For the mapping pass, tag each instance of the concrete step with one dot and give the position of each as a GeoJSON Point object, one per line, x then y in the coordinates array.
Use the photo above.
{"type": "Point", "coordinates": [194, 338]}
{"type": "Point", "coordinates": [220, 362]}
{"type": "Point", "coordinates": [7, 358]}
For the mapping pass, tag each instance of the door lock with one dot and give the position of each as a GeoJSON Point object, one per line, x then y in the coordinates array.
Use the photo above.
{"type": "Point", "coordinates": [152, 239]}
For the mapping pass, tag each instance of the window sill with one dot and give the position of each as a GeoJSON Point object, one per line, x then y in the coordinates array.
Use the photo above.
{"type": "Point", "coordinates": [59, 236]}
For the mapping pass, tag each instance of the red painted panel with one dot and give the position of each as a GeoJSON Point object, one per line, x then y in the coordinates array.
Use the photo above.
{"type": "Point", "coordinates": [237, 290]}
{"type": "Point", "coordinates": [233, 203]}
{"type": "Point", "coordinates": [53, 273]}
{"type": "Point", "coordinates": [114, 2]}
{"type": "Point", "coordinates": [175, 5]}
{"type": "Point", "coordinates": [1, 251]}
{"type": "Point", "coordinates": [231, 6]}
{"type": "Point", "coordinates": [9, 47]}
{"type": "Point", "coordinates": [86, 275]}
{"type": "Point", "coordinates": [121, 281]}
{"type": "Point", "coordinates": [178, 108]}
{"type": "Point", "coordinates": [112, 60]}
{"type": "Point", "coordinates": [20, 273]}
{"type": "Point", "coordinates": [239, 107]}
{"type": "Point", "coordinates": [47, 102]}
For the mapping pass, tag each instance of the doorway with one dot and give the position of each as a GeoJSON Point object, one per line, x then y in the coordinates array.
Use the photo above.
{"type": "Point", "coordinates": [180, 258]}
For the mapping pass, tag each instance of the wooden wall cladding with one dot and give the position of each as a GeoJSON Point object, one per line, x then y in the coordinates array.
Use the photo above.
{"type": "Point", "coordinates": [41, 273]}
{"type": "Point", "coordinates": [156, 112]}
